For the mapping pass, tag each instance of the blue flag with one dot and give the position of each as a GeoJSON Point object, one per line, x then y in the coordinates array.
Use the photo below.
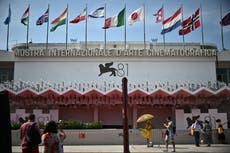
{"type": "Point", "coordinates": [44, 18]}
{"type": "Point", "coordinates": [226, 20]}
{"type": "Point", "coordinates": [98, 13]}
{"type": "Point", "coordinates": [7, 20]}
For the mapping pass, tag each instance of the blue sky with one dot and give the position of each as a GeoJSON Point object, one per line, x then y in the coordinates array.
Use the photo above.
{"type": "Point", "coordinates": [210, 14]}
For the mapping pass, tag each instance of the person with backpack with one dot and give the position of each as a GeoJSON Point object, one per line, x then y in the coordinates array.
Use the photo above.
{"type": "Point", "coordinates": [220, 132]}
{"type": "Point", "coordinates": [169, 134]}
{"type": "Point", "coordinates": [207, 133]}
{"type": "Point", "coordinates": [30, 135]}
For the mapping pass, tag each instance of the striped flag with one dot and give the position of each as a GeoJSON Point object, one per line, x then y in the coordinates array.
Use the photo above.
{"type": "Point", "coordinates": [80, 17]}
{"type": "Point", "coordinates": [115, 21]}
{"type": "Point", "coordinates": [172, 22]}
{"type": "Point", "coordinates": [44, 18]}
{"type": "Point", "coordinates": [61, 20]}
{"type": "Point", "coordinates": [25, 17]}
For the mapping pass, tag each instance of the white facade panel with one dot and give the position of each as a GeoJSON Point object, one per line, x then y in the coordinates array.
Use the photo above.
{"type": "Point", "coordinates": [136, 71]}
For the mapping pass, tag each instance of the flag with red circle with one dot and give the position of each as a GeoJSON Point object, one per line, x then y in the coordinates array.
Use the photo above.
{"type": "Point", "coordinates": [137, 15]}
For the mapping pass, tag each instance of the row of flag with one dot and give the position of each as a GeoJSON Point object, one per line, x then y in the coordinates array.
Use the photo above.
{"type": "Point", "coordinates": [169, 24]}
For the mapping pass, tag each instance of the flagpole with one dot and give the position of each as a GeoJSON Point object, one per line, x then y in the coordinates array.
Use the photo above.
{"type": "Point", "coordinates": [27, 30]}
{"type": "Point", "coordinates": [66, 39]}
{"type": "Point", "coordinates": [144, 29]}
{"type": "Point", "coordinates": [163, 24]}
{"type": "Point", "coordinates": [222, 32]}
{"type": "Point", "coordinates": [7, 39]}
{"type": "Point", "coordinates": [202, 31]}
{"type": "Point", "coordinates": [47, 29]}
{"type": "Point", "coordinates": [86, 28]}
{"type": "Point", "coordinates": [8, 31]}
{"type": "Point", "coordinates": [105, 28]}
{"type": "Point", "coordinates": [182, 14]}
{"type": "Point", "coordinates": [125, 26]}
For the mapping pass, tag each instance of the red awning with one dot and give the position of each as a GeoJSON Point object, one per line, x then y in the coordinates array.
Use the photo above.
{"type": "Point", "coordinates": [113, 92]}
{"type": "Point", "coordinates": [93, 93]}
{"type": "Point", "coordinates": [159, 93]}
{"type": "Point", "coordinates": [49, 93]}
{"type": "Point", "coordinates": [27, 93]}
{"type": "Point", "coordinates": [223, 93]}
{"type": "Point", "coordinates": [71, 93]}
{"type": "Point", "coordinates": [204, 92]}
{"type": "Point", "coordinates": [138, 92]}
{"type": "Point", "coordinates": [182, 93]}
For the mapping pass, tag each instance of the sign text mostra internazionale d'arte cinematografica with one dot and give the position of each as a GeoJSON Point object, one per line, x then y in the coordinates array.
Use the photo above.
{"type": "Point", "coordinates": [115, 52]}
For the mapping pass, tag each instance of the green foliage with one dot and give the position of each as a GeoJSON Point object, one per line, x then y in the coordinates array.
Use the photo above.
{"type": "Point", "coordinates": [73, 124]}
{"type": "Point", "coordinates": [15, 126]}
{"type": "Point", "coordinates": [68, 124]}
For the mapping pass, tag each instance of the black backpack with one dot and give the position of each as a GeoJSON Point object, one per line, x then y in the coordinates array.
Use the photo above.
{"type": "Point", "coordinates": [174, 129]}
{"type": "Point", "coordinates": [33, 136]}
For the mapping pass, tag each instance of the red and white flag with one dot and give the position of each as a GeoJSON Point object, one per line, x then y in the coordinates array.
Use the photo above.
{"type": "Point", "coordinates": [80, 17]}
{"type": "Point", "coordinates": [159, 15]}
{"type": "Point", "coordinates": [137, 15]}
{"type": "Point", "coordinates": [191, 23]}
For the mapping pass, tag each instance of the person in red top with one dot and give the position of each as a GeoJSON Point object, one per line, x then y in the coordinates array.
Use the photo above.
{"type": "Point", "coordinates": [50, 139]}
{"type": "Point", "coordinates": [24, 135]}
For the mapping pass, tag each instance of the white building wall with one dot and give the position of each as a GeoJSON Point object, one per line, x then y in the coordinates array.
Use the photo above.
{"type": "Point", "coordinates": [151, 70]}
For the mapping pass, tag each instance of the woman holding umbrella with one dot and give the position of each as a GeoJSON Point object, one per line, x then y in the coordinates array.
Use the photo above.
{"type": "Point", "coordinates": [147, 131]}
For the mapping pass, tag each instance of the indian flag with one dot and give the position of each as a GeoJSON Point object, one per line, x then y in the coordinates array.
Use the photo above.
{"type": "Point", "coordinates": [25, 17]}
{"type": "Point", "coordinates": [59, 21]}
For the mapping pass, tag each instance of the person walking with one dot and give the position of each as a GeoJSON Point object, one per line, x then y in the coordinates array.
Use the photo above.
{"type": "Point", "coordinates": [61, 135]}
{"type": "Point", "coordinates": [207, 133]}
{"type": "Point", "coordinates": [30, 135]}
{"type": "Point", "coordinates": [220, 132]}
{"type": "Point", "coordinates": [147, 133]}
{"type": "Point", "coordinates": [196, 128]}
{"type": "Point", "coordinates": [50, 138]}
{"type": "Point", "coordinates": [169, 134]}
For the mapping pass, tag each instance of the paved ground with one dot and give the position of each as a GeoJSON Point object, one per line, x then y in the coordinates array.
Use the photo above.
{"type": "Point", "coordinates": [215, 148]}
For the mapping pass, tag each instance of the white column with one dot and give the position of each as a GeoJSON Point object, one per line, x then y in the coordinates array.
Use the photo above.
{"type": "Point", "coordinates": [54, 114]}
{"type": "Point", "coordinates": [95, 114]}
{"type": "Point", "coordinates": [180, 119]}
{"type": "Point", "coordinates": [37, 113]}
{"type": "Point", "coordinates": [134, 116]}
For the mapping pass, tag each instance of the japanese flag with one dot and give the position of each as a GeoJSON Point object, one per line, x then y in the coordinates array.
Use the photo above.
{"type": "Point", "coordinates": [137, 15]}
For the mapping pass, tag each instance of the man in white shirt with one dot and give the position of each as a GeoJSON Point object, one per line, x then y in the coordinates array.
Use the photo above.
{"type": "Point", "coordinates": [196, 126]}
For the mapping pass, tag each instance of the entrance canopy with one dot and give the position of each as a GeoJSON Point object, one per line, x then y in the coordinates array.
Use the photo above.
{"type": "Point", "coordinates": [44, 93]}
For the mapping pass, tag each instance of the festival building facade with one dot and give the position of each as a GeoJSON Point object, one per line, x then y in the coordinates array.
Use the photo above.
{"type": "Point", "coordinates": [172, 79]}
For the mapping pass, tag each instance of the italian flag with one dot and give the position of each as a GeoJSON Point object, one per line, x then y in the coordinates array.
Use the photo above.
{"type": "Point", "coordinates": [80, 17]}
{"type": "Point", "coordinates": [25, 17]}
{"type": "Point", "coordinates": [115, 21]}
{"type": "Point", "coordinates": [59, 21]}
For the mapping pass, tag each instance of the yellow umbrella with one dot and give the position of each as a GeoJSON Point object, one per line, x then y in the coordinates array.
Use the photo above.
{"type": "Point", "coordinates": [144, 117]}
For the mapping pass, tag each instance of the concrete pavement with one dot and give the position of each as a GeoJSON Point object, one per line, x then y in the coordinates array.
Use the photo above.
{"type": "Point", "coordinates": [182, 148]}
